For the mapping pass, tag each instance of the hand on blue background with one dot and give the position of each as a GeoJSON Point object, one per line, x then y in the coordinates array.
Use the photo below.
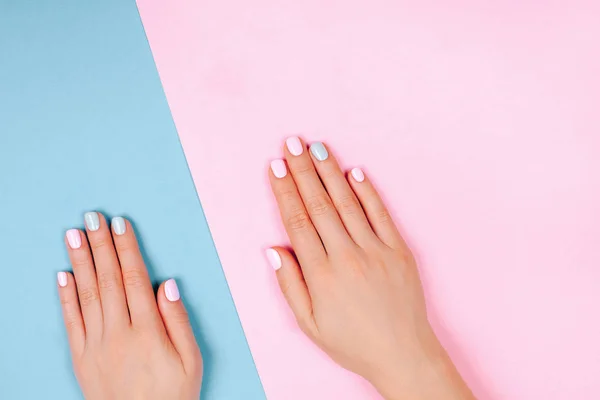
{"type": "Point", "coordinates": [126, 343]}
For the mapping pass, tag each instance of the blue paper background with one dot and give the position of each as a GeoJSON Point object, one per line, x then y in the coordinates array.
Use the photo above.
{"type": "Point", "coordinates": [84, 125]}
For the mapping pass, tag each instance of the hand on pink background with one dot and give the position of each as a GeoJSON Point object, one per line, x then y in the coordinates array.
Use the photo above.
{"type": "Point", "coordinates": [126, 343]}
{"type": "Point", "coordinates": [353, 283]}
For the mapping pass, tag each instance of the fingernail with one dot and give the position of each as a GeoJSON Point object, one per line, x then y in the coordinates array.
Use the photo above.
{"type": "Point", "coordinates": [319, 151]}
{"type": "Point", "coordinates": [274, 258]}
{"type": "Point", "coordinates": [74, 238]}
{"type": "Point", "coordinates": [62, 279]}
{"type": "Point", "coordinates": [171, 290]}
{"type": "Point", "coordinates": [119, 226]}
{"type": "Point", "coordinates": [358, 175]}
{"type": "Point", "coordinates": [279, 169]}
{"type": "Point", "coordinates": [294, 146]}
{"type": "Point", "coordinates": [92, 221]}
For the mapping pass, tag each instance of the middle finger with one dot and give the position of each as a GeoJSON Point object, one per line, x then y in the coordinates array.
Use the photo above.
{"type": "Point", "coordinates": [318, 204]}
{"type": "Point", "coordinates": [85, 279]}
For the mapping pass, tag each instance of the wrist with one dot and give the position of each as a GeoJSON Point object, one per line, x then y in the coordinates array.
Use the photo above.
{"type": "Point", "coordinates": [427, 373]}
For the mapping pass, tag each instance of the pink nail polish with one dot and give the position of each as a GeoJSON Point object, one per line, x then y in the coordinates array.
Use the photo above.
{"type": "Point", "coordinates": [358, 175]}
{"type": "Point", "coordinates": [279, 169]}
{"type": "Point", "coordinates": [62, 279]}
{"type": "Point", "coordinates": [74, 238]}
{"type": "Point", "coordinates": [274, 258]}
{"type": "Point", "coordinates": [171, 290]}
{"type": "Point", "coordinates": [294, 145]}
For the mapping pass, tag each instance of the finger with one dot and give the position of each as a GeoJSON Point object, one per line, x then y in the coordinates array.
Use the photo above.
{"type": "Point", "coordinates": [293, 287]}
{"type": "Point", "coordinates": [377, 213]}
{"type": "Point", "coordinates": [138, 288]}
{"type": "Point", "coordinates": [316, 200]}
{"type": "Point", "coordinates": [67, 291]}
{"type": "Point", "coordinates": [297, 223]}
{"type": "Point", "coordinates": [87, 286]}
{"type": "Point", "coordinates": [108, 270]}
{"type": "Point", "coordinates": [177, 323]}
{"type": "Point", "coordinates": [344, 199]}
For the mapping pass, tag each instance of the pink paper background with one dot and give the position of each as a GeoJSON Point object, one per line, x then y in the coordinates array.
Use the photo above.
{"type": "Point", "coordinates": [480, 123]}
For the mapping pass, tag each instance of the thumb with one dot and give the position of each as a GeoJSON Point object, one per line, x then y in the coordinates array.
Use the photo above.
{"type": "Point", "coordinates": [293, 287]}
{"type": "Point", "coordinates": [177, 323]}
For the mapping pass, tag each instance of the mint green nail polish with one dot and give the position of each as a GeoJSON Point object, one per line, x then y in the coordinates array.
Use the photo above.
{"type": "Point", "coordinates": [119, 226]}
{"type": "Point", "coordinates": [92, 221]}
{"type": "Point", "coordinates": [319, 151]}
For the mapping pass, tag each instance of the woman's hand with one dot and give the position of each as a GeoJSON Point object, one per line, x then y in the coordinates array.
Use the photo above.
{"type": "Point", "coordinates": [353, 284]}
{"type": "Point", "coordinates": [126, 343]}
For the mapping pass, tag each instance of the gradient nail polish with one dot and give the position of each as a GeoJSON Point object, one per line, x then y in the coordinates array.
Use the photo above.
{"type": "Point", "coordinates": [74, 238]}
{"type": "Point", "coordinates": [279, 169]}
{"type": "Point", "coordinates": [118, 225]}
{"type": "Point", "coordinates": [319, 151]}
{"type": "Point", "coordinates": [61, 277]}
{"type": "Point", "coordinates": [274, 258]}
{"type": "Point", "coordinates": [358, 175]}
{"type": "Point", "coordinates": [171, 290]}
{"type": "Point", "coordinates": [92, 221]}
{"type": "Point", "coordinates": [294, 145]}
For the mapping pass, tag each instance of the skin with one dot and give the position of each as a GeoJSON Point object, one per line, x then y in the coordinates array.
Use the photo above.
{"type": "Point", "coordinates": [351, 282]}
{"type": "Point", "coordinates": [126, 343]}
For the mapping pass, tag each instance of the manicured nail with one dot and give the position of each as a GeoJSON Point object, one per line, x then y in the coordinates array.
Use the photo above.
{"type": "Point", "coordinates": [319, 151]}
{"type": "Point", "coordinates": [171, 290]}
{"type": "Point", "coordinates": [119, 226]}
{"type": "Point", "coordinates": [279, 169]}
{"type": "Point", "coordinates": [92, 221]}
{"type": "Point", "coordinates": [274, 258]}
{"type": "Point", "coordinates": [74, 238]}
{"type": "Point", "coordinates": [358, 175]}
{"type": "Point", "coordinates": [294, 145]}
{"type": "Point", "coordinates": [62, 279]}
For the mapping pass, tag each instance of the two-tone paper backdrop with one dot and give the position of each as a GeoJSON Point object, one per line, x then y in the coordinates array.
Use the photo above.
{"type": "Point", "coordinates": [480, 122]}
{"type": "Point", "coordinates": [84, 125]}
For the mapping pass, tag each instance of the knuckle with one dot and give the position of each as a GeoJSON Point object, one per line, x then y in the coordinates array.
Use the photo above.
{"type": "Point", "coordinates": [133, 278]}
{"type": "Point", "coordinates": [66, 302]}
{"type": "Point", "coordinates": [328, 171]}
{"type": "Point", "coordinates": [81, 262]}
{"type": "Point", "coordinates": [408, 259]}
{"type": "Point", "coordinates": [180, 318]}
{"type": "Point", "coordinates": [318, 204]}
{"type": "Point", "coordinates": [107, 280]}
{"type": "Point", "coordinates": [88, 296]}
{"type": "Point", "coordinates": [285, 288]}
{"type": "Point", "coordinates": [384, 216]}
{"type": "Point", "coordinates": [124, 248]}
{"type": "Point", "coordinates": [100, 243]}
{"type": "Point", "coordinates": [287, 195]}
{"type": "Point", "coordinates": [298, 220]}
{"type": "Point", "coordinates": [71, 320]}
{"type": "Point", "coordinates": [303, 169]}
{"type": "Point", "coordinates": [70, 323]}
{"type": "Point", "coordinates": [347, 205]}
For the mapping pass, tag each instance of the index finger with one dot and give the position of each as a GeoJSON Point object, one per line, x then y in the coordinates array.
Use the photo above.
{"type": "Point", "coordinates": [298, 225]}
